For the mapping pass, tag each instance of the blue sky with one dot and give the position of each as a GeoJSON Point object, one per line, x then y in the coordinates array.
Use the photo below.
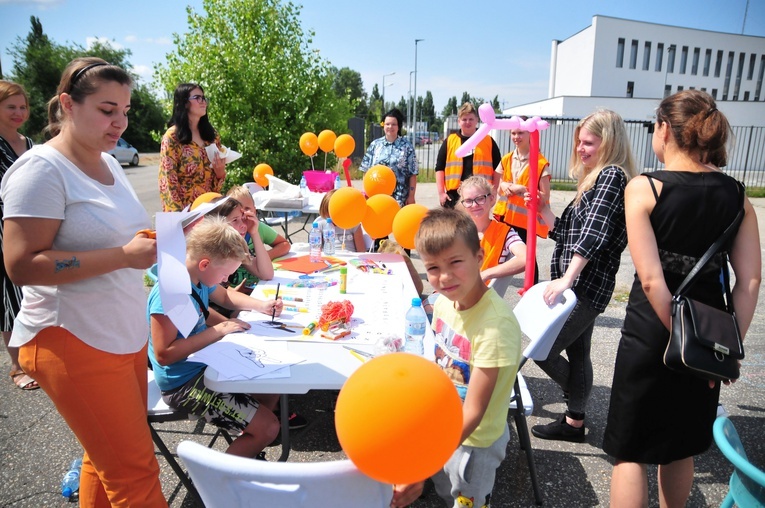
{"type": "Point", "coordinates": [484, 47]}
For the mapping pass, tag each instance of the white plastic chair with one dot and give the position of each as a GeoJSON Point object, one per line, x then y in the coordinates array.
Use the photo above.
{"type": "Point", "coordinates": [541, 323]}
{"type": "Point", "coordinates": [226, 481]}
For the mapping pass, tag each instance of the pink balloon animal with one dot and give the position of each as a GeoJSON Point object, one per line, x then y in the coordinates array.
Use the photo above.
{"type": "Point", "coordinates": [489, 121]}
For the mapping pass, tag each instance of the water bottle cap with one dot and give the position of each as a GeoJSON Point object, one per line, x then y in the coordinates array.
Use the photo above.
{"type": "Point", "coordinates": [329, 220]}
{"type": "Point", "coordinates": [315, 224]}
{"type": "Point", "coordinates": [416, 302]}
{"type": "Point", "coordinates": [66, 492]}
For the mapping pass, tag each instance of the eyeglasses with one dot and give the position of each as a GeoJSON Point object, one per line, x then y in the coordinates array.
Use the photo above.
{"type": "Point", "coordinates": [478, 200]}
{"type": "Point", "coordinates": [199, 98]}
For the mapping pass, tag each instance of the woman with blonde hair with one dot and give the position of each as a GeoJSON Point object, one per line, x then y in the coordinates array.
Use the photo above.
{"type": "Point", "coordinates": [589, 238]}
{"type": "Point", "coordinates": [669, 231]}
{"type": "Point", "coordinates": [14, 111]}
{"type": "Point", "coordinates": [71, 218]}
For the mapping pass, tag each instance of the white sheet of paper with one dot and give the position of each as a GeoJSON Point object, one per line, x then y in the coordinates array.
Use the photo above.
{"type": "Point", "coordinates": [242, 356]}
{"type": "Point", "coordinates": [175, 286]}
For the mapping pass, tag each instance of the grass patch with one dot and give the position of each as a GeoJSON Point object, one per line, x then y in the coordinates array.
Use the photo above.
{"type": "Point", "coordinates": [621, 296]}
{"type": "Point", "coordinates": [755, 192]}
{"type": "Point", "coordinates": [563, 186]}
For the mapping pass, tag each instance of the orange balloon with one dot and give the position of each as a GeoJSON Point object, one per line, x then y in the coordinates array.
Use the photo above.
{"type": "Point", "coordinates": [379, 179]}
{"type": "Point", "coordinates": [347, 207]}
{"type": "Point", "coordinates": [309, 144]}
{"type": "Point", "coordinates": [378, 219]}
{"type": "Point", "coordinates": [344, 145]}
{"type": "Point", "coordinates": [260, 172]}
{"type": "Point", "coordinates": [398, 447]}
{"type": "Point", "coordinates": [205, 198]}
{"type": "Point", "coordinates": [327, 140]}
{"type": "Point", "coordinates": [406, 223]}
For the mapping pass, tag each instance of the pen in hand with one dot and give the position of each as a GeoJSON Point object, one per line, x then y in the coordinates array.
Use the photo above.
{"type": "Point", "coordinates": [276, 297]}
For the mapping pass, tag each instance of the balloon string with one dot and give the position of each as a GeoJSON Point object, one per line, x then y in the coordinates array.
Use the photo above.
{"type": "Point", "coordinates": [325, 161]}
{"type": "Point", "coordinates": [314, 169]}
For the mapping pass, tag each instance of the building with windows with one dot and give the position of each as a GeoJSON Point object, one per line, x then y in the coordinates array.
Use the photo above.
{"type": "Point", "coordinates": [629, 66]}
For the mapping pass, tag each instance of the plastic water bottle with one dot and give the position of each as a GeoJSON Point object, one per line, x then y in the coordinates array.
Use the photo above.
{"type": "Point", "coordinates": [71, 482]}
{"type": "Point", "coordinates": [329, 238]}
{"type": "Point", "coordinates": [414, 333]}
{"type": "Point", "coordinates": [314, 241]}
{"type": "Point", "coordinates": [303, 186]}
{"type": "Point", "coordinates": [337, 182]}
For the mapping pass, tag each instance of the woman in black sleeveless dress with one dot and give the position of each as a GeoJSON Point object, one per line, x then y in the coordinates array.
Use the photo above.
{"type": "Point", "coordinates": [656, 415]}
{"type": "Point", "coordinates": [14, 111]}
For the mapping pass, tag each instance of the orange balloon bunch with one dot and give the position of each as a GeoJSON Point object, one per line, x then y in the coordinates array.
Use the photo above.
{"type": "Point", "coordinates": [398, 446]}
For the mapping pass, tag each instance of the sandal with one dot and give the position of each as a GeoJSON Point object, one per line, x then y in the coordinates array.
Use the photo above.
{"type": "Point", "coordinates": [23, 381]}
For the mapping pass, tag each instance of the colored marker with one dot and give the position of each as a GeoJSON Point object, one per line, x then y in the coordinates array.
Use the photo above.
{"type": "Point", "coordinates": [296, 309]}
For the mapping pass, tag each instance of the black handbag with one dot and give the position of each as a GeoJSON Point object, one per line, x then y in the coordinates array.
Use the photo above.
{"type": "Point", "coordinates": [705, 341]}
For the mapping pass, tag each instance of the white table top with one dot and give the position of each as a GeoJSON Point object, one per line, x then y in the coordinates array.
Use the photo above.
{"type": "Point", "coordinates": [328, 364]}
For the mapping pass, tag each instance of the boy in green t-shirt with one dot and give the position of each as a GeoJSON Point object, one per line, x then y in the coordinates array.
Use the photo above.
{"type": "Point", "coordinates": [478, 345]}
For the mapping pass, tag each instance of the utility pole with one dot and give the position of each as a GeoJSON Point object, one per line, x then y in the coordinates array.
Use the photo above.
{"type": "Point", "coordinates": [414, 99]}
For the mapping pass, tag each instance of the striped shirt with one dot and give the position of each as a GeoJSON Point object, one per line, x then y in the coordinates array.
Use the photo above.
{"type": "Point", "coordinates": [595, 229]}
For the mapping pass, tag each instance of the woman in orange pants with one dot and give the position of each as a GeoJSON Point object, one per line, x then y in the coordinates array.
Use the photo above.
{"type": "Point", "coordinates": [70, 222]}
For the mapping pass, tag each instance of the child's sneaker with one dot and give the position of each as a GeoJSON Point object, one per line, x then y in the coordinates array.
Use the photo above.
{"type": "Point", "coordinates": [296, 421]}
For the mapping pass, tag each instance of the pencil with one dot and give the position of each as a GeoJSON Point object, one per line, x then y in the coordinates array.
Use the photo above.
{"type": "Point", "coordinates": [354, 353]}
{"type": "Point", "coordinates": [273, 310]}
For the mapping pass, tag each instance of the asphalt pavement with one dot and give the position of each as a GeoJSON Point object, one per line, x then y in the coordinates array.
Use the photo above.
{"type": "Point", "coordinates": [36, 447]}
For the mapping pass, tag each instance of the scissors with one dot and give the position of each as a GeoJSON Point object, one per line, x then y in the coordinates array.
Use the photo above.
{"type": "Point", "coordinates": [148, 232]}
{"type": "Point", "coordinates": [278, 325]}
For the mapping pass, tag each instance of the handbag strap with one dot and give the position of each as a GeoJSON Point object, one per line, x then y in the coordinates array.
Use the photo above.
{"type": "Point", "coordinates": [711, 251]}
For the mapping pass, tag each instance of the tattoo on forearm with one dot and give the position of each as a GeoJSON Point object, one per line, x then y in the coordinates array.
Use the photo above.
{"type": "Point", "coordinates": [67, 264]}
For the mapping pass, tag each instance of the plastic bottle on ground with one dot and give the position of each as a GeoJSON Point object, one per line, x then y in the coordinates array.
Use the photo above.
{"type": "Point", "coordinates": [329, 238]}
{"type": "Point", "coordinates": [414, 331]}
{"type": "Point", "coordinates": [314, 241]}
{"type": "Point", "coordinates": [71, 481]}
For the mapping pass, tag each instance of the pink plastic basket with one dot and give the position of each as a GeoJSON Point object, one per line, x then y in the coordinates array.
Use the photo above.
{"type": "Point", "coordinates": [319, 181]}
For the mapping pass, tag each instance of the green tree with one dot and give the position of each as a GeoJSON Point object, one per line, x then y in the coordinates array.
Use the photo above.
{"type": "Point", "coordinates": [375, 110]}
{"type": "Point", "coordinates": [450, 108]}
{"type": "Point", "coordinates": [495, 104]}
{"type": "Point", "coordinates": [402, 106]}
{"type": "Point", "coordinates": [38, 64]}
{"type": "Point", "coordinates": [428, 112]}
{"type": "Point", "coordinates": [267, 85]}
{"type": "Point", "coordinates": [349, 85]}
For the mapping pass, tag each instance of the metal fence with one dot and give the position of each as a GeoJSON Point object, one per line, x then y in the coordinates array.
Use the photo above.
{"type": "Point", "coordinates": [746, 155]}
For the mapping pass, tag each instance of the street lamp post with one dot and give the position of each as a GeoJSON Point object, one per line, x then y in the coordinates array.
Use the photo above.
{"type": "Point", "coordinates": [414, 98]}
{"type": "Point", "coordinates": [383, 90]}
{"type": "Point", "coordinates": [409, 105]}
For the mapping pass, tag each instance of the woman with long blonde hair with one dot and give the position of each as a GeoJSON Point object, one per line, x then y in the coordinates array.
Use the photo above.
{"type": "Point", "coordinates": [589, 238]}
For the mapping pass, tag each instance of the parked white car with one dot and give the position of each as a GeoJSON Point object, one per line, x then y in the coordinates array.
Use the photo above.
{"type": "Point", "coordinates": [125, 153]}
